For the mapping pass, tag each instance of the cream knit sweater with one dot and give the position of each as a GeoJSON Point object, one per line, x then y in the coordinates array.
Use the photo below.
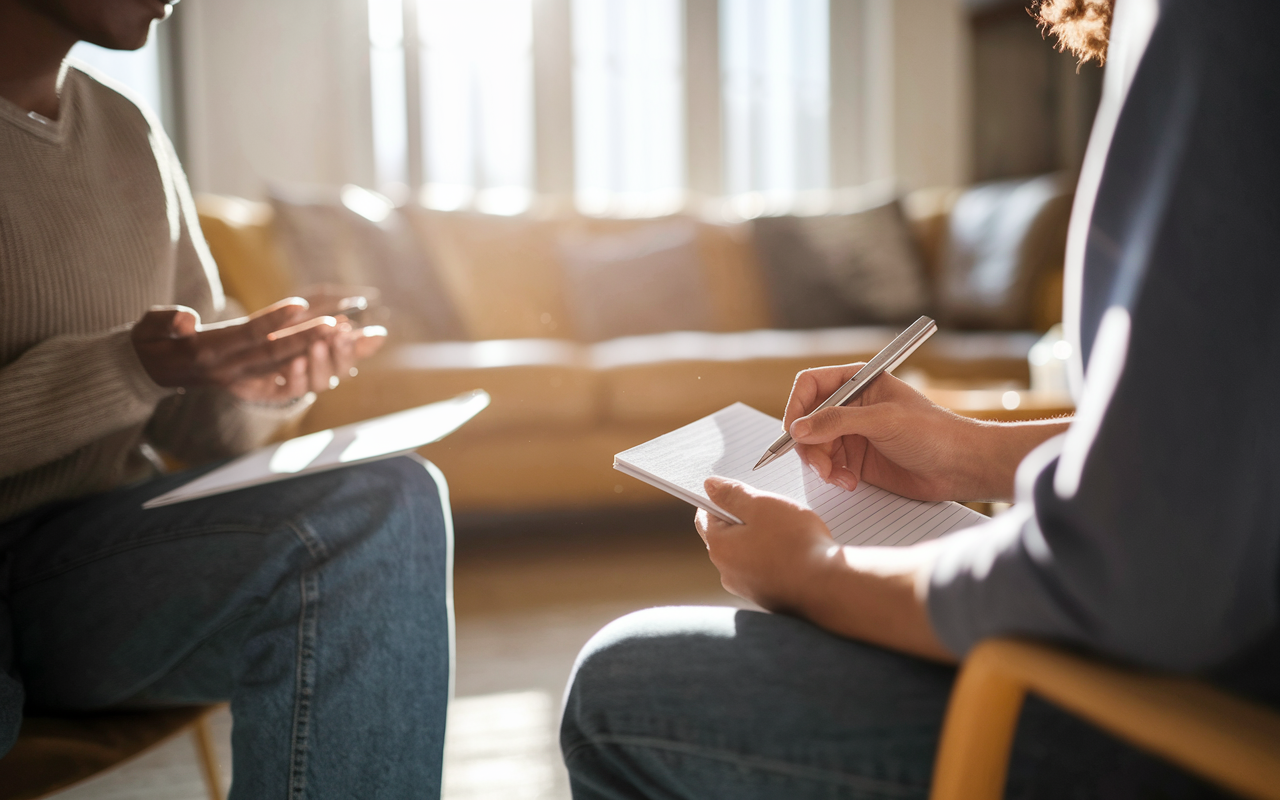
{"type": "Point", "coordinates": [96, 225]}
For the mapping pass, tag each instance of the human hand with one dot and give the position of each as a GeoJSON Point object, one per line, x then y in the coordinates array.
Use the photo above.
{"type": "Point", "coordinates": [326, 363]}
{"type": "Point", "coordinates": [892, 436]}
{"type": "Point", "coordinates": [783, 559]}
{"type": "Point", "coordinates": [358, 303]}
{"type": "Point", "coordinates": [177, 350]}
{"type": "Point", "coordinates": [775, 556]}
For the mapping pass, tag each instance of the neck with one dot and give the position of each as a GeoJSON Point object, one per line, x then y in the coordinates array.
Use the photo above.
{"type": "Point", "coordinates": [32, 48]}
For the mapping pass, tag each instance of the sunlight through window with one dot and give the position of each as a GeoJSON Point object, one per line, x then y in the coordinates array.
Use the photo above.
{"type": "Point", "coordinates": [390, 115]}
{"type": "Point", "coordinates": [477, 101]}
{"type": "Point", "coordinates": [500, 747]}
{"type": "Point", "coordinates": [628, 105]}
{"type": "Point", "coordinates": [775, 71]}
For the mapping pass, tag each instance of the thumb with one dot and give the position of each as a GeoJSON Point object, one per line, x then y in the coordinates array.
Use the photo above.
{"type": "Point", "coordinates": [829, 424]}
{"type": "Point", "coordinates": [727, 493]}
{"type": "Point", "coordinates": [167, 322]}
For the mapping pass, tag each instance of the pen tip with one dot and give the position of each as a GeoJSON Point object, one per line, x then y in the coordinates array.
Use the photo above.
{"type": "Point", "coordinates": [764, 459]}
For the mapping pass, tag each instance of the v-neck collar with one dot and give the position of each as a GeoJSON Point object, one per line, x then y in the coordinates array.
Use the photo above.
{"type": "Point", "coordinates": [52, 130]}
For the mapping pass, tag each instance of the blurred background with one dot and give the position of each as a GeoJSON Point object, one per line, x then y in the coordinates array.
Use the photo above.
{"type": "Point", "coordinates": [618, 216]}
{"type": "Point", "coordinates": [623, 104]}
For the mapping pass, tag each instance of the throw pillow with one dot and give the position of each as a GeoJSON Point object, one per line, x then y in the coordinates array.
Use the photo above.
{"type": "Point", "coordinates": [354, 237]}
{"type": "Point", "coordinates": [842, 269]}
{"type": "Point", "coordinates": [646, 280]}
{"type": "Point", "coordinates": [1003, 239]}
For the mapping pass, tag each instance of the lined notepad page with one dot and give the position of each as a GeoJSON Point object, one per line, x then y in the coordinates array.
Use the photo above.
{"type": "Point", "coordinates": [729, 442]}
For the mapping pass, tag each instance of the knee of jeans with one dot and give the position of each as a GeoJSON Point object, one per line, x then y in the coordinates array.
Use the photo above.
{"type": "Point", "coordinates": [634, 659]}
{"type": "Point", "coordinates": [386, 499]}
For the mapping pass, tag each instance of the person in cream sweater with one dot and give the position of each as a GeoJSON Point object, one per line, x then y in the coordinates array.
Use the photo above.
{"type": "Point", "coordinates": [318, 607]}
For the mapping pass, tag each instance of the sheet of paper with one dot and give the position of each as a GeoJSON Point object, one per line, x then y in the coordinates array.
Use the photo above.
{"type": "Point", "coordinates": [357, 443]}
{"type": "Point", "coordinates": [729, 443]}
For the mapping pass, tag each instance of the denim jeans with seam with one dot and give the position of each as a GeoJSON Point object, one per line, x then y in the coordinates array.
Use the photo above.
{"type": "Point", "coordinates": [707, 703]}
{"type": "Point", "coordinates": [320, 607]}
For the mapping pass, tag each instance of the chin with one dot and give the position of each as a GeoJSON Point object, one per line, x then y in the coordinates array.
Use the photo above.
{"type": "Point", "coordinates": [114, 24]}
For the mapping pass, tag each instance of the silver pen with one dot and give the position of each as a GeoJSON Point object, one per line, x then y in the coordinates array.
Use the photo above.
{"type": "Point", "coordinates": [889, 358]}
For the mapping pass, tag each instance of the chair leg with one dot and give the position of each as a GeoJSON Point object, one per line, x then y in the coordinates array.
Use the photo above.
{"type": "Point", "coordinates": [977, 734]}
{"type": "Point", "coordinates": [208, 758]}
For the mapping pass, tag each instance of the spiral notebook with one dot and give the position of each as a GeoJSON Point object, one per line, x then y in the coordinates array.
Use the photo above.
{"type": "Point", "coordinates": [729, 442]}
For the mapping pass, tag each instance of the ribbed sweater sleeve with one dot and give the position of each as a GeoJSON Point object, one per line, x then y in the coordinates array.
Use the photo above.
{"type": "Point", "coordinates": [67, 392]}
{"type": "Point", "coordinates": [97, 225]}
{"type": "Point", "coordinates": [206, 424]}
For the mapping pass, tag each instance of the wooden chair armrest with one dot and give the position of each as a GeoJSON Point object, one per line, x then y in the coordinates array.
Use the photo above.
{"type": "Point", "coordinates": [1220, 737]}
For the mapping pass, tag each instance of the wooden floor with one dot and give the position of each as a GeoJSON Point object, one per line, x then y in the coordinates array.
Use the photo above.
{"type": "Point", "coordinates": [529, 593]}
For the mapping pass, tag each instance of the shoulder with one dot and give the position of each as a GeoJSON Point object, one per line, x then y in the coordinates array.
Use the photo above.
{"type": "Point", "coordinates": [103, 99]}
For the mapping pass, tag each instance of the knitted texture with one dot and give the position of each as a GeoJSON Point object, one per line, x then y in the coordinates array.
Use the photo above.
{"type": "Point", "coordinates": [97, 224]}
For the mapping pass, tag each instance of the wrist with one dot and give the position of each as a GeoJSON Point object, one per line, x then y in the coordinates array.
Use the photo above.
{"type": "Point", "coordinates": [878, 595]}
{"type": "Point", "coordinates": [1001, 449]}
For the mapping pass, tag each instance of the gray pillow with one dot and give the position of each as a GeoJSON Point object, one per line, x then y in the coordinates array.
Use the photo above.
{"type": "Point", "coordinates": [356, 238]}
{"type": "Point", "coordinates": [842, 269]}
{"type": "Point", "coordinates": [1001, 239]}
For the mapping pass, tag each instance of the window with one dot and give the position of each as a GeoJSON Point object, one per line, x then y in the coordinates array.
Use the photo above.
{"type": "Point", "coordinates": [629, 88]}
{"type": "Point", "coordinates": [477, 103]}
{"type": "Point", "coordinates": [460, 74]}
{"type": "Point", "coordinates": [775, 72]}
{"type": "Point", "coordinates": [628, 75]}
{"type": "Point", "coordinates": [387, 82]}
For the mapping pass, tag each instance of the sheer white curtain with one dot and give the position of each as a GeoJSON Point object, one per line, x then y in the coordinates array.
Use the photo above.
{"type": "Point", "coordinates": [477, 103]}
{"type": "Point", "coordinates": [628, 97]}
{"type": "Point", "coordinates": [775, 67]}
{"type": "Point", "coordinates": [474, 105]}
{"type": "Point", "coordinates": [387, 85]}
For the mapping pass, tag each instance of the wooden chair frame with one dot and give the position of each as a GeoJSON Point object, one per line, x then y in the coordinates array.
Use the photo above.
{"type": "Point", "coordinates": [1218, 736]}
{"type": "Point", "coordinates": [55, 754]}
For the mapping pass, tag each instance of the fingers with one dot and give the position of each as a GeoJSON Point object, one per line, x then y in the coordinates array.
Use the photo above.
{"type": "Point", "coordinates": [823, 426]}
{"type": "Point", "coordinates": [369, 341]}
{"type": "Point", "coordinates": [738, 498]}
{"type": "Point", "coordinates": [320, 368]}
{"type": "Point", "coordinates": [274, 350]}
{"type": "Point", "coordinates": [813, 386]}
{"type": "Point", "coordinates": [166, 322]}
{"type": "Point", "coordinates": [701, 523]}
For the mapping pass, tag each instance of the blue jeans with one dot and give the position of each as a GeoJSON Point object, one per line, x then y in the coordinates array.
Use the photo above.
{"type": "Point", "coordinates": [319, 606]}
{"type": "Point", "coordinates": [719, 703]}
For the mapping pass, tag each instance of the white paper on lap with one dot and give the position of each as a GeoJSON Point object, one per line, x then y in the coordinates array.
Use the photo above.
{"type": "Point", "coordinates": [381, 437]}
{"type": "Point", "coordinates": [729, 442]}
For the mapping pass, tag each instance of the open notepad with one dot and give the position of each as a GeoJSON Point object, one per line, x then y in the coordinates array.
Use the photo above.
{"type": "Point", "coordinates": [729, 442]}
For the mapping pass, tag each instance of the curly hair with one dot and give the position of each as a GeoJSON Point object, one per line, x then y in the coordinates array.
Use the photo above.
{"type": "Point", "coordinates": [1081, 26]}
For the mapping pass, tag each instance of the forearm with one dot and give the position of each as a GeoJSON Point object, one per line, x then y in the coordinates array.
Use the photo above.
{"type": "Point", "coordinates": [994, 451]}
{"type": "Point", "coordinates": [69, 391]}
{"type": "Point", "coordinates": [208, 423]}
{"type": "Point", "coordinates": [876, 595]}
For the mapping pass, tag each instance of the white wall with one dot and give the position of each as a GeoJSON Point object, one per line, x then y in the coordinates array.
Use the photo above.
{"type": "Point", "coordinates": [275, 91]}
{"type": "Point", "coordinates": [931, 93]}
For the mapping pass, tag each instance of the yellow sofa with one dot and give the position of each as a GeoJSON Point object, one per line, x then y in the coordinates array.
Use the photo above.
{"type": "Point", "coordinates": [562, 407]}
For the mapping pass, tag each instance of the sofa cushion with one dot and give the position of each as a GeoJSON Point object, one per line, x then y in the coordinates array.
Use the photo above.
{"type": "Point", "coordinates": [842, 269]}
{"type": "Point", "coordinates": [679, 377]}
{"type": "Point", "coordinates": [503, 273]}
{"type": "Point", "coordinates": [353, 237]}
{"type": "Point", "coordinates": [535, 384]}
{"type": "Point", "coordinates": [646, 280]}
{"type": "Point", "coordinates": [1003, 239]}
{"type": "Point", "coordinates": [239, 234]}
